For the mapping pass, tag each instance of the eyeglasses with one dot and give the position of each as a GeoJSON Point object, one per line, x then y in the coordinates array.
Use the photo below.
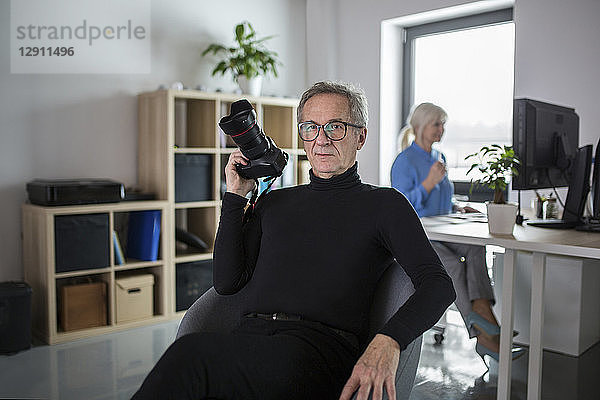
{"type": "Point", "coordinates": [334, 130]}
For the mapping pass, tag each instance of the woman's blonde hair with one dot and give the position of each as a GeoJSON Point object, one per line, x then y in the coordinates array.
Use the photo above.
{"type": "Point", "coordinates": [419, 117]}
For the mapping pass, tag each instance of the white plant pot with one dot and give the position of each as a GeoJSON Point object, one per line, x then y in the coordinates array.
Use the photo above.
{"type": "Point", "coordinates": [252, 86]}
{"type": "Point", "coordinates": [501, 218]}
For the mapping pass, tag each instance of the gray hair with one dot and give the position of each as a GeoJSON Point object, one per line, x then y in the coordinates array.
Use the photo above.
{"type": "Point", "coordinates": [357, 101]}
{"type": "Point", "coordinates": [420, 116]}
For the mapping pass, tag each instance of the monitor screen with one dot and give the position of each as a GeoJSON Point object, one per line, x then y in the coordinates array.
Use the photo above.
{"type": "Point", "coordinates": [579, 186]}
{"type": "Point", "coordinates": [545, 138]}
{"type": "Point", "coordinates": [596, 185]}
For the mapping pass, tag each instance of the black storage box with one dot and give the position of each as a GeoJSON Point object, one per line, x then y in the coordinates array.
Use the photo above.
{"type": "Point", "coordinates": [193, 177]}
{"type": "Point", "coordinates": [193, 279]}
{"type": "Point", "coordinates": [15, 317]}
{"type": "Point", "coordinates": [81, 242]}
{"type": "Point", "coordinates": [62, 192]}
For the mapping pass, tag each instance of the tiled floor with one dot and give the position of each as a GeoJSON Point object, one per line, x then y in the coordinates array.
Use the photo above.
{"type": "Point", "coordinates": [453, 371]}
{"type": "Point", "coordinates": [112, 367]}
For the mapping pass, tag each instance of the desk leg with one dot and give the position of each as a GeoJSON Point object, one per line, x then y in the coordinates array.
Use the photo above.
{"type": "Point", "coordinates": [538, 274]}
{"type": "Point", "coordinates": [506, 323]}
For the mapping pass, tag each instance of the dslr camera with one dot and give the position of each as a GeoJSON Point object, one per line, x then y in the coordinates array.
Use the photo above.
{"type": "Point", "coordinates": [266, 159]}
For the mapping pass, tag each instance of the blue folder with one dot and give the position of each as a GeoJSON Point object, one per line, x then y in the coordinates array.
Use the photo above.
{"type": "Point", "coordinates": [143, 235]}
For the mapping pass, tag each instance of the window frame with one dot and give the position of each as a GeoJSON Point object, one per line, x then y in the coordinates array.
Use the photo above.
{"type": "Point", "coordinates": [446, 26]}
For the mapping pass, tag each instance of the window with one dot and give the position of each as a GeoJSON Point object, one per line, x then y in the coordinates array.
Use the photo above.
{"type": "Point", "coordinates": [466, 66]}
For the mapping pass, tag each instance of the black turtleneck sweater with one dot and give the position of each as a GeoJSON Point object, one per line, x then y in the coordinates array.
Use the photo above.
{"type": "Point", "coordinates": [318, 250]}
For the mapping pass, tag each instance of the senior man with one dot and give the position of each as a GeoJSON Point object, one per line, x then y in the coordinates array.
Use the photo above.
{"type": "Point", "coordinates": [309, 258]}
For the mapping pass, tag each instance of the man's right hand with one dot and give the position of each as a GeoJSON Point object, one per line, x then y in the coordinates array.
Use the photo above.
{"type": "Point", "coordinates": [435, 176]}
{"type": "Point", "coordinates": [235, 183]}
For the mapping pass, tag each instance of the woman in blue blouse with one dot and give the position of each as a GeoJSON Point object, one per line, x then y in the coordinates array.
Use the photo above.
{"type": "Point", "coordinates": [419, 172]}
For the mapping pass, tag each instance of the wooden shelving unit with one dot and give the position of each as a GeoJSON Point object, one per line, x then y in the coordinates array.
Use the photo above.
{"type": "Point", "coordinates": [171, 123]}
{"type": "Point", "coordinates": [40, 268]}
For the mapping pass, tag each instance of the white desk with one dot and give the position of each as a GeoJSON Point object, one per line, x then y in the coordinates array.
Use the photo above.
{"type": "Point", "coordinates": [539, 241]}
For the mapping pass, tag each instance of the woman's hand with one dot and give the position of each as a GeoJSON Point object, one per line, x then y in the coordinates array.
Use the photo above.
{"type": "Point", "coordinates": [466, 209]}
{"type": "Point", "coordinates": [235, 183]}
{"type": "Point", "coordinates": [437, 172]}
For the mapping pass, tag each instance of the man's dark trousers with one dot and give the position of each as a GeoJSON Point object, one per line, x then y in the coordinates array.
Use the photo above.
{"type": "Point", "coordinates": [260, 359]}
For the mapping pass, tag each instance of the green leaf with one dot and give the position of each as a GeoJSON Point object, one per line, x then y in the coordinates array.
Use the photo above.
{"type": "Point", "coordinates": [239, 32]}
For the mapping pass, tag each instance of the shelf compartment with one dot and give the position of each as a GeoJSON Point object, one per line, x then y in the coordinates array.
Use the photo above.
{"type": "Point", "coordinates": [82, 302]}
{"type": "Point", "coordinates": [121, 229]}
{"type": "Point", "coordinates": [193, 119]}
{"type": "Point", "coordinates": [159, 305]}
{"type": "Point", "coordinates": [192, 280]}
{"type": "Point", "coordinates": [200, 222]}
{"type": "Point", "coordinates": [81, 242]}
{"type": "Point", "coordinates": [194, 174]}
{"type": "Point", "coordinates": [279, 124]}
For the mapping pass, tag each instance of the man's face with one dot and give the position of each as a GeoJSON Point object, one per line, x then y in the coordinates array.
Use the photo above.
{"type": "Point", "coordinates": [327, 157]}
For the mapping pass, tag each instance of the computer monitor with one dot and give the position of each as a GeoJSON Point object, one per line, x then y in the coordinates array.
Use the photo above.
{"type": "Point", "coordinates": [579, 188]}
{"type": "Point", "coordinates": [545, 138]}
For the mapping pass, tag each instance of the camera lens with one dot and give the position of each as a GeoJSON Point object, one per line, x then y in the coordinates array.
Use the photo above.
{"type": "Point", "coordinates": [266, 160]}
{"type": "Point", "coordinates": [241, 125]}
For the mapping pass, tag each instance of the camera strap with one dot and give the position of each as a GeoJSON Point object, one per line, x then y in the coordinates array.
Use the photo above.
{"type": "Point", "coordinates": [256, 197]}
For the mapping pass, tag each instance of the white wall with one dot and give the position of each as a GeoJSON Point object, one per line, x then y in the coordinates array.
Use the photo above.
{"type": "Point", "coordinates": [557, 59]}
{"type": "Point", "coordinates": [69, 126]}
{"type": "Point", "coordinates": [557, 56]}
{"type": "Point", "coordinates": [357, 49]}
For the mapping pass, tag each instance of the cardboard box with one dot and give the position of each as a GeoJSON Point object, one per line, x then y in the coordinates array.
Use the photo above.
{"type": "Point", "coordinates": [135, 298]}
{"type": "Point", "coordinates": [83, 306]}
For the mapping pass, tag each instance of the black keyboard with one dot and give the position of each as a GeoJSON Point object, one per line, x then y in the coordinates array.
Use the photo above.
{"type": "Point", "coordinates": [552, 223]}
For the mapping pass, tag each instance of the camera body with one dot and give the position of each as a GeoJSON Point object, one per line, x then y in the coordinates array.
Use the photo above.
{"type": "Point", "coordinates": [266, 159]}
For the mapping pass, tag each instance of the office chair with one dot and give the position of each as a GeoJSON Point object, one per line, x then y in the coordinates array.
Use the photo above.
{"type": "Point", "coordinates": [215, 313]}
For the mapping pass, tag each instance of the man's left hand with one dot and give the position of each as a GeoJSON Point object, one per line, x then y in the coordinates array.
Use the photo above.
{"type": "Point", "coordinates": [375, 370]}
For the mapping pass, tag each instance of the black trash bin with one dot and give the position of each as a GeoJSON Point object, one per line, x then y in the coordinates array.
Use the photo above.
{"type": "Point", "coordinates": [15, 317]}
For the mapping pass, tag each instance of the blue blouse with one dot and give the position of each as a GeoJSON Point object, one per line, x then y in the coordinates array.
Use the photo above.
{"type": "Point", "coordinates": [410, 168]}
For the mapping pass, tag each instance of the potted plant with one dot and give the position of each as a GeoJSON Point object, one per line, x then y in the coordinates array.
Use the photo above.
{"type": "Point", "coordinates": [248, 60]}
{"type": "Point", "coordinates": [496, 163]}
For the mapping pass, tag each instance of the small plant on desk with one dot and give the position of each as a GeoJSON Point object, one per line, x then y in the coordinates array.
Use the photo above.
{"type": "Point", "coordinates": [496, 164]}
